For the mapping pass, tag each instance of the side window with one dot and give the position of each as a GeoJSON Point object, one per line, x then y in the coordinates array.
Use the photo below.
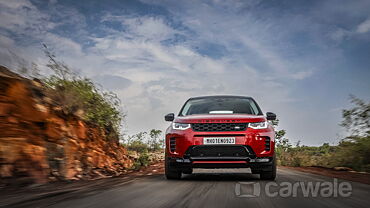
{"type": "Point", "coordinates": [254, 107]}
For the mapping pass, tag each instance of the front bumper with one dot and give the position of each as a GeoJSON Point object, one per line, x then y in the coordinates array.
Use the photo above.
{"type": "Point", "coordinates": [178, 142]}
{"type": "Point", "coordinates": [256, 164]}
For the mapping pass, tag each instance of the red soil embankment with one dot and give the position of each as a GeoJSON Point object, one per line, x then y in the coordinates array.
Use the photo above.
{"type": "Point", "coordinates": [39, 143]}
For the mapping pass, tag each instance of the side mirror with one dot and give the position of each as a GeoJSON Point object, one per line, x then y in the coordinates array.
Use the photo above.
{"type": "Point", "coordinates": [169, 117]}
{"type": "Point", "coordinates": [270, 116]}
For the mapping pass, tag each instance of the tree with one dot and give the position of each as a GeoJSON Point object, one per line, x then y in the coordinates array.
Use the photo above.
{"type": "Point", "coordinates": [280, 134]}
{"type": "Point", "coordinates": [155, 142]}
{"type": "Point", "coordinates": [357, 119]}
{"type": "Point", "coordinates": [137, 144]}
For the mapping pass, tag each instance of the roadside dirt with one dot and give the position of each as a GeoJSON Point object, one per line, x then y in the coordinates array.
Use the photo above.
{"type": "Point", "coordinates": [346, 175]}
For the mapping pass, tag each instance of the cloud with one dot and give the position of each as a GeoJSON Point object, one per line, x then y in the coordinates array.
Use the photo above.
{"type": "Point", "coordinates": [112, 82]}
{"type": "Point", "coordinates": [256, 42]}
{"type": "Point", "coordinates": [155, 61]}
{"type": "Point", "coordinates": [144, 27]}
{"type": "Point", "coordinates": [153, 77]}
{"type": "Point", "coordinates": [301, 75]}
{"type": "Point", "coordinates": [23, 17]}
{"type": "Point", "coordinates": [364, 26]}
{"type": "Point", "coordinates": [341, 34]}
{"type": "Point", "coordinates": [5, 41]}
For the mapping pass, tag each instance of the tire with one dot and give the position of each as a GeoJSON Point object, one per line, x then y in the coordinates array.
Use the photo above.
{"type": "Point", "coordinates": [170, 172]}
{"type": "Point", "coordinates": [269, 175]}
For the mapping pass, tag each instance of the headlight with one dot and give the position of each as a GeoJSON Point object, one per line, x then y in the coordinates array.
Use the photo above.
{"type": "Point", "coordinates": [180, 126]}
{"type": "Point", "coordinates": [258, 125]}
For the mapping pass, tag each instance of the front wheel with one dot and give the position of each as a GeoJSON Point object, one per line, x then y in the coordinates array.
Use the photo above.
{"type": "Point", "coordinates": [269, 175]}
{"type": "Point", "coordinates": [170, 172]}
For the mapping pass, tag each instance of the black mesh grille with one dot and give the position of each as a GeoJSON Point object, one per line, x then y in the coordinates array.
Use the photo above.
{"type": "Point", "coordinates": [267, 143]}
{"type": "Point", "coordinates": [219, 126]}
{"type": "Point", "coordinates": [172, 144]}
{"type": "Point", "coordinates": [218, 151]}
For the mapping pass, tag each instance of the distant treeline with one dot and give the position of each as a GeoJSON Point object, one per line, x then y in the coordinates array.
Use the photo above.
{"type": "Point", "coordinates": [352, 151]}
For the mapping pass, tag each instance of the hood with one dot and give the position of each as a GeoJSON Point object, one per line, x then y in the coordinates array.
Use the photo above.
{"type": "Point", "coordinates": [220, 118]}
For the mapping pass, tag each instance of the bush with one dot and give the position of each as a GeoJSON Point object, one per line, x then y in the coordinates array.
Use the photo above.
{"type": "Point", "coordinates": [142, 143]}
{"type": "Point", "coordinates": [138, 146]}
{"type": "Point", "coordinates": [145, 141]}
{"type": "Point", "coordinates": [77, 95]}
{"type": "Point", "coordinates": [142, 161]}
{"type": "Point", "coordinates": [352, 152]}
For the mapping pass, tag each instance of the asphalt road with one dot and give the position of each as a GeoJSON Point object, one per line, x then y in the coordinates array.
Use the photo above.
{"type": "Point", "coordinates": [220, 188]}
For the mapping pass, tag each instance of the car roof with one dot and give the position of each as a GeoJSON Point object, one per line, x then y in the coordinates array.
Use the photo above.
{"type": "Point", "coordinates": [220, 96]}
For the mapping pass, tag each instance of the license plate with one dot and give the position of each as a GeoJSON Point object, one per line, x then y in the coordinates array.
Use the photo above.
{"type": "Point", "coordinates": [219, 140]}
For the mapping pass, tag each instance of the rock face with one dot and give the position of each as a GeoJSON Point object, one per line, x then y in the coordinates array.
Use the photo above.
{"type": "Point", "coordinates": [40, 143]}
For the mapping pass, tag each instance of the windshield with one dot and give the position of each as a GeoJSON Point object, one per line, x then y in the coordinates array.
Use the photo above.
{"type": "Point", "coordinates": [220, 105]}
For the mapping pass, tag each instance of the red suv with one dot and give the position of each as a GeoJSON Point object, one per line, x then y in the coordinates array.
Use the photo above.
{"type": "Point", "coordinates": [220, 132]}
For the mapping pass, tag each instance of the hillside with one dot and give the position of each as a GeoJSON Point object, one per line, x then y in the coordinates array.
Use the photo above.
{"type": "Point", "coordinates": [39, 142]}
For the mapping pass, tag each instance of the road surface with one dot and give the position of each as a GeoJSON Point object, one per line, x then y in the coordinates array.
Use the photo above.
{"type": "Point", "coordinates": [216, 188]}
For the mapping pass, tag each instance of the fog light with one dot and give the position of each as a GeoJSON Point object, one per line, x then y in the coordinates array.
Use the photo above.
{"type": "Point", "coordinates": [260, 160]}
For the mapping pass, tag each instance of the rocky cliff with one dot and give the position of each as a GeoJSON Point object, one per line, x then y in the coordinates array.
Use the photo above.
{"type": "Point", "coordinates": [40, 143]}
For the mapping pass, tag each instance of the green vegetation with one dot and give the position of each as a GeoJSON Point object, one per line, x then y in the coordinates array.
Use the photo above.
{"type": "Point", "coordinates": [142, 144]}
{"type": "Point", "coordinates": [80, 96]}
{"type": "Point", "coordinates": [145, 141]}
{"type": "Point", "coordinates": [73, 94]}
{"type": "Point", "coordinates": [142, 161]}
{"type": "Point", "coordinates": [352, 151]}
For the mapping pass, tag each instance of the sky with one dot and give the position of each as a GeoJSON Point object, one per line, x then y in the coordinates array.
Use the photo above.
{"type": "Point", "coordinates": [299, 59]}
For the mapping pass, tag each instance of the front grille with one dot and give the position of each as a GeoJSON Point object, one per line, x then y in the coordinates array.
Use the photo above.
{"type": "Point", "coordinates": [219, 126]}
{"type": "Point", "coordinates": [218, 151]}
